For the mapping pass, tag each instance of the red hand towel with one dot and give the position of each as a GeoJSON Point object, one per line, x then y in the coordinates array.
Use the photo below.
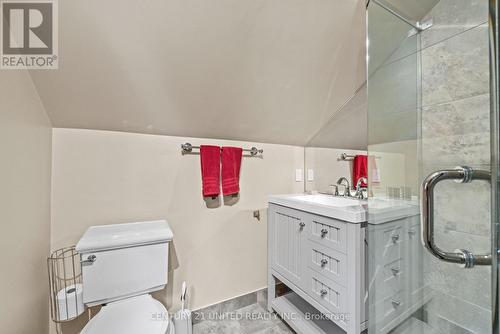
{"type": "Point", "coordinates": [359, 169]}
{"type": "Point", "coordinates": [231, 164]}
{"type": "Point", "coordinates": [210, 170]}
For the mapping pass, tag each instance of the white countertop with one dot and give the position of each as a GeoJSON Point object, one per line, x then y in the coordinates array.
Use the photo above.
{"type": "Point", "coordinates": [352, 210]}
{"type": "Point", "coordinates": [381, 210]}
{"type": "Point", "coordinates": [348, 209]}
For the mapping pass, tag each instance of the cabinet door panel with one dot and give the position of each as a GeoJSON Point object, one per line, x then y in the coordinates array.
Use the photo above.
{"type": "Point", "coordinates": [287, 233]}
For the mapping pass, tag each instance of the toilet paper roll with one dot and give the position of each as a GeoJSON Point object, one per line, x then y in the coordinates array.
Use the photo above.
{"type": "Point", "coordinates": [183, 322]}
{"type": "Point", "coordinates": [70, 302]}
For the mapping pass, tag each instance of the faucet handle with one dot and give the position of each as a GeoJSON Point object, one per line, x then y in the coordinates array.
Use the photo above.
{"type": "Point", "coordinates": [360, 189]}
{"type": "Point", "coordinates": [347, 190]}
{"type": "Point", "coordinates": [361, 180]}
{"type": "Point", "coordinates": [336, 192]}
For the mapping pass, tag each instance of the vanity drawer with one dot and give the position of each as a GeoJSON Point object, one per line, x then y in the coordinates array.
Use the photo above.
{"type": "Point", "coordinates": [391, 280]}
{"type": "Point", "coordinates": [328, 262]}
{"type": "Point", "coordinates": [392, 240]}
{"type": "Point", "coordinates": [331, 295]}
{"type": "Point", "coordinates": [388, 309]}
{"type": "Point", "coordinates": [328, 232]}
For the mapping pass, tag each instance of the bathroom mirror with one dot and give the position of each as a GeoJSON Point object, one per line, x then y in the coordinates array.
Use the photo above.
{"type": "Point", "coordinates": [393, 152]}
{"type": "Point", "coordinates": [344, 133]}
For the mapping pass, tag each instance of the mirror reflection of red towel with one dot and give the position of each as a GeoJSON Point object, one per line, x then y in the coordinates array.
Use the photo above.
{"type": "Point", "coordinates": [374, 171]}
{"type": "Point", "coordinates": [359, 169]}
{"type": "Point", "coordinates": [210, 170]}
{"type": "Point", "coordinates": [231, 165]}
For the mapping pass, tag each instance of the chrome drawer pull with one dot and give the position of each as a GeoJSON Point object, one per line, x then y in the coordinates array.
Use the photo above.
{"type": "Point", "coordinates": [90, 259]}
{"type": "Point", "coordinates": [324, 262]}
{"type": "Point", "coordinates": [395, 271]}
{"type": "Point", "coordinates": [323, 292]}
{"type": "Point", "coordinates": [396, 303]}
{"type": "Point", "coordinates": [395, 238]}
{"type": "Point", "coordinates": [324, 232]}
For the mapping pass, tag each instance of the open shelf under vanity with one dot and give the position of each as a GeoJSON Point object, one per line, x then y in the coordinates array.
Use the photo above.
{"type": "Point", "coordinates": [302, 317]}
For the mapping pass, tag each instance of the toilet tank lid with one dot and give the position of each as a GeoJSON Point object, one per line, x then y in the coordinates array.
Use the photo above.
{"type": "Point", "coordinates": [105, 237]}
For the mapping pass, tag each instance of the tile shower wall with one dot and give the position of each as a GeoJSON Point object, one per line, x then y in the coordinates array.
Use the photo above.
{"type": "Point", "coordinates": [455, 131]}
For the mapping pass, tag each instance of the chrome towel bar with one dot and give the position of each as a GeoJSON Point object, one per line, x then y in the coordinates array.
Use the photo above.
{"type": "Point", "coordinates": [347, 157]}
{"type": "Point", "coordinates": [187, 148]}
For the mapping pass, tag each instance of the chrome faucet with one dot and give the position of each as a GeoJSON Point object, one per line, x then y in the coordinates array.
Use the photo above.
{"type": "Point", "coordinates": [345, 182]}
{"type": "Point", "coordinates": [360, 191]}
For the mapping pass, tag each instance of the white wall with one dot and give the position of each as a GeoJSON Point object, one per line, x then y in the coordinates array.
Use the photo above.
{"type": "Point", "coordinates": [25, 147]}
{"type": "Point", "coordinates": [102, 177]}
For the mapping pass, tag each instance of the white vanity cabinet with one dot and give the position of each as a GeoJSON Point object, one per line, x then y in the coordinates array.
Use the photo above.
{"type": "Point", "coordinates": [318, 247]}
{"type": "Point", "coordinates": [397, 288]}
{"type": "Point", "coordinates": [322, 260]}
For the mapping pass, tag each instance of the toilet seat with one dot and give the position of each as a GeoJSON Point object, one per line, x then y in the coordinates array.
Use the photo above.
{"type": "Point", "coordinates": [135, 315]}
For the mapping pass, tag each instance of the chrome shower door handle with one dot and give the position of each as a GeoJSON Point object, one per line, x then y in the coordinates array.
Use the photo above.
{"type": "Point", "coordinates": [463, 175]}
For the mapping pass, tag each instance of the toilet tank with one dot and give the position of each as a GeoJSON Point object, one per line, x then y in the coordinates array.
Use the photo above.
{"type": "Point", "coordinates": [123, 260]}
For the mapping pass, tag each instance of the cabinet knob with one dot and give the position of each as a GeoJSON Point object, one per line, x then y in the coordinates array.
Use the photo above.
{"type": "Point", "coordinates": [302, 225]}
{"type": "Point", "coordinates": [396, 303]}
{"type": "Point", "coordinates": [412, 232]}
{"type": "Point", "coordinates": [324, 232]}
{"type": "Point", "coordinates": [395, 271]}
{"type": "Point", "coordinates": [395, 238]}
{"type": "Point", "coordinates": [324, 262]}
{"type": "Point", "coordinates": [323, 292]}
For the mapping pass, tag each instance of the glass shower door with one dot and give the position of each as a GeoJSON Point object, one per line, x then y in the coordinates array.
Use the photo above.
{"type": "Point", "coordinates": [429, 111]}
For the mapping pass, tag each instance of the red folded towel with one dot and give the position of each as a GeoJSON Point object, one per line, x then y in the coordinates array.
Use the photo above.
{"type": "Point", "coordinates": [359, 169]}
{"type": "Point", "coordinates": [210, 170]}
{"type": "Point", "coordinates": [231, 164]}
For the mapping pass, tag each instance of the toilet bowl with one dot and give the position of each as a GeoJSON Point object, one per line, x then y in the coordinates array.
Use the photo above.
{"type": "Point", "coordinates": [136, 315]}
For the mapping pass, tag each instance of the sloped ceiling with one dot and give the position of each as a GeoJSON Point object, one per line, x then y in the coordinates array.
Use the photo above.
{"type": "Point", "coordinates": [258, 70]}
{"type": "Point", "coordinates": [348, 128]}
{"type": "Point", "coordinates": [415, 10]}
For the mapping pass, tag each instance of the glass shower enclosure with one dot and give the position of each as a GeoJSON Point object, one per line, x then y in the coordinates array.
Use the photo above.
{"type": "Point", "coordinates": [433, 158]}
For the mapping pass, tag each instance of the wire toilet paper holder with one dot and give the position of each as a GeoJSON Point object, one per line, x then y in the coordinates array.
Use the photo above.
{"type": "Point", "coordinates": [65, 285]}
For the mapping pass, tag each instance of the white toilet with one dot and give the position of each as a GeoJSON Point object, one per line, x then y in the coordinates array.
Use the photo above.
{"type": "Point", "coordinates": [121, 265]}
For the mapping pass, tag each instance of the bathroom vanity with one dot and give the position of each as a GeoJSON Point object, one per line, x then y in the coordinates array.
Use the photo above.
{"type": "Point", "coordinates": [317, 248]}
